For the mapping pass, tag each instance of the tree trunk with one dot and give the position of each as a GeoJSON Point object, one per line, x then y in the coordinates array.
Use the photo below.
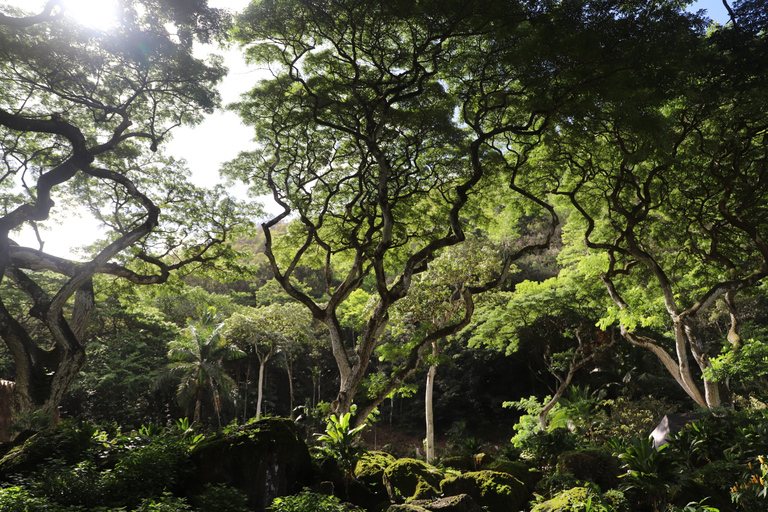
{"type": "Point", "coordinates": [429, 445]}
{"type": "Point", "coordinates": [289, 369]}
{"type": "Point", "coordinates": [262, 369]}
{"type": "Point", "coordinates": [247, 387]}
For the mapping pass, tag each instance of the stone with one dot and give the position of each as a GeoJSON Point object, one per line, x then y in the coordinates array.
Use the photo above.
{"type": "Point", "coordinates": [264, 460]}
{"type": "Point", "coordinates": [460, 503]}
{"type": "Point", "coordinates": [371, 466]}
{"type": "Point", "coordinates": [597, 466]}
{"type": "Point", "coordinates": [411, 479]}
{"type": "Point", "coordinates": [517, 469]}
{"type": "Point", "coordinates": [672, 423]}
{"type": "Point", "coordinates": [496, 491]}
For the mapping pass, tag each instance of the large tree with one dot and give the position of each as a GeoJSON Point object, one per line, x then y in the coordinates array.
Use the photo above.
{"type": "Point", "coordinates": [385, 119]}
{"type": "Point", "coordinates": [673, 194]}
{"type": "Point", "coordinates": [83, 113]}
{"type": "Point", "coordinates": [362, 144]}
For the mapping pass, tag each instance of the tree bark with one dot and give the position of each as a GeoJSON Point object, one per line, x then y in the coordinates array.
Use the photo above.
{"type": "Point", "coordinates": [429, 445]}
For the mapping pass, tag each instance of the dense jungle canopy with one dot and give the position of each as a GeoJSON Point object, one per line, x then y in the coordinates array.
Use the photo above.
{"type": "Point", "coordinates": [560, 187]}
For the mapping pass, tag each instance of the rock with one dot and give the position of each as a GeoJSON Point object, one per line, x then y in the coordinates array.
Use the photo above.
{"type": "Point", "coordinates": [402, 507]}
{"type": "Point", "coordinates": [264, 460]}
{"type": "Point", "coordinates": [412, 479]}
{"type": "Point", "coordinates": [517, 469]}
{"type": "Point", "coordinates": [67, 441]}
{"type": "Point", "coordinates": [461, 462]}
{"type": "Point", "coordinates": [672, 423]}
{"type": "Point", "coordinates": [496, 491]}
{"type": "Point", "coordinates": [460, 503]}
{"type": "Point", "coordinates": [371, 466]}
{"type": "Point", "coordinates": [597, 466]}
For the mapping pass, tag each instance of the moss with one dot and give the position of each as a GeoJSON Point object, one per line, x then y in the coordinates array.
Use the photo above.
{"type": "Point", "coordinates": [371, 466]}
{"type": "Point", "coordinates": [412, 479]}
{"type": "Point", "coordinates": [517, 469]}
{"type": "Point", "coordinates": [498, 492]}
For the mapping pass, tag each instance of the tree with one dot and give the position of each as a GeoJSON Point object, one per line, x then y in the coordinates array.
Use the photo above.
{"type": "Point", "coordinates": [552, 321]}
{"type": "Point", "coordinates": [198, 362]}
{"type": "Point", "coordinates": [382, 119]}
{"type": "Point", "coordinates": [266, 331]}
{"type": "Point", "coordinates": [673, 195]}
{"type": "Point", "coordinates": [83, 114]}
{"type": "Point", "coordinates": [438, 300]}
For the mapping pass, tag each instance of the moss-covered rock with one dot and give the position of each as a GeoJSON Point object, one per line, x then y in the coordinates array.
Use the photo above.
{"type": "Point", "coordinates": [517, 469]}
{"type": "Point", "coordinates": [371, 466]}
{"type": "Point", "coordinates": [409, 479]}
{"type": "Point", "coordinates": [576, 498]}
{"type": "Point", "coordinates": [597, 466]}
{"type": "Point", "coordinates": [460, 462]}
{"type": "Point", "coordinates": [264, 460]}
{"type": "Point", "coordinates": [403, 507]}
{"type": "Point", "coordinates": [498, 492]}
{"type": "Point", "coordinates": [460, 503]}
{"type": "Point", "coordinates": [67, 441]}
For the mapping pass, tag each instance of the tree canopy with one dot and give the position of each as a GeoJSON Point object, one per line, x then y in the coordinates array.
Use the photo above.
{"type": "Point", "coordinates": [84, 113]}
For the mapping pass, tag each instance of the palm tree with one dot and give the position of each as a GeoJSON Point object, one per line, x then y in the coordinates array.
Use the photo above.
{"type": "Point", "coordinates": [198, 357]}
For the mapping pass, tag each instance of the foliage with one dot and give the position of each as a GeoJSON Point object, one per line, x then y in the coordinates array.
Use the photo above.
{"type": "Point", "coordinates": [198, 356]}
{"type": "Point", "coordinates": [166, 503]}
{"type": "Point", "coordinates": [84, 113]}
{"type": "Point", "coordinates": [220, 498]}
{"type": "Point", "coordinates": [18, 499]}
{"type": "Point", "coordinates": [651, 473]}
{"type": "Point", "coordinates": [307, 501]}
{"type": "Point", "coordinates": [752, 489]}
{"type": "Point", "coordinates": [341, 440]}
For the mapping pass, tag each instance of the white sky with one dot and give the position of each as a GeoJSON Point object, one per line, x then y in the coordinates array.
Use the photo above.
{"type": "Point", "coordinates": [218, 139]}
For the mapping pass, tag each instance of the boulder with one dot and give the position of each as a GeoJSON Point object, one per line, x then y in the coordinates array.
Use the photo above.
{"type": "Point", "coordinates": [672, 423]}
{"type": "Point", "coordinates": [403, 507]}
{"type": "Point", "coordinates": [460, 503]}
{"type": "Point", "coordinates": [517, 469]}
{"type": "Point", "coordinates": [264, 460]}
{"type": "Point", "coordinates": [411, 479]}
{"type": "Point", "coordinates": [371, 466]}
{"type": "Point", "coordinates": [596, 466]}
{"type": "Point", "coordinates": [496, 491]}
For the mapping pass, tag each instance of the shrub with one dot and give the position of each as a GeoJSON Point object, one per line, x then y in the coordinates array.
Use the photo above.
{"type": "Point", "coordinates": [220, 498]}
{"type": "Point", "coordinates": [147, 471]}
{"type": "Point", "coordinates": [165, 503]}
{"type": "Point", "coordinates": [80, 484]}
{"type": "Point", "coordinates": [17, 499]}
{"type": "Point", "coordinates": [307, 501]}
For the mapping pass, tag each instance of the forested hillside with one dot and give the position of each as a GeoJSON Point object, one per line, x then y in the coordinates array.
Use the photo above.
{"type": "Point", "coordinates": [509, 228]}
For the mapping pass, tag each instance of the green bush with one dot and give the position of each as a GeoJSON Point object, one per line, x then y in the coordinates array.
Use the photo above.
{"type": "Point", "coordinates": [307, 501]}
{"type": "Point", "coordinates": [18, 499]}
{"type": "Point", "coordinates": [164, 503]}
{"type": "Point", "coordinates": [147, 471]}
{"type": "Point", "coordinates": [220, 498]}
{"type": "Point", "coordinates": [80, 484]}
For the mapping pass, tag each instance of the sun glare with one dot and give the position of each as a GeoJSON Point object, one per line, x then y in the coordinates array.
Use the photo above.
{"type": "Point", "coordinates": [101, 14]}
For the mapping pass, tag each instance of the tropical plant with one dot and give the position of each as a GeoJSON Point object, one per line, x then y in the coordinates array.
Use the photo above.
{"type": "Point", "coordinates": [340, 439]}
{"type": "Point", "coordinates": [753, 487]}
{"type": "Point", "coordinates": [308, 501]}
{"type": "Point", "coordinates": [652, 473]}
{"type": "Point", "coordinates": [199, 355]}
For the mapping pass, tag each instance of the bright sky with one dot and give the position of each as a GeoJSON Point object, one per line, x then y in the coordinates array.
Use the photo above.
{"type": "Point", "coordinates": [218, 139]}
